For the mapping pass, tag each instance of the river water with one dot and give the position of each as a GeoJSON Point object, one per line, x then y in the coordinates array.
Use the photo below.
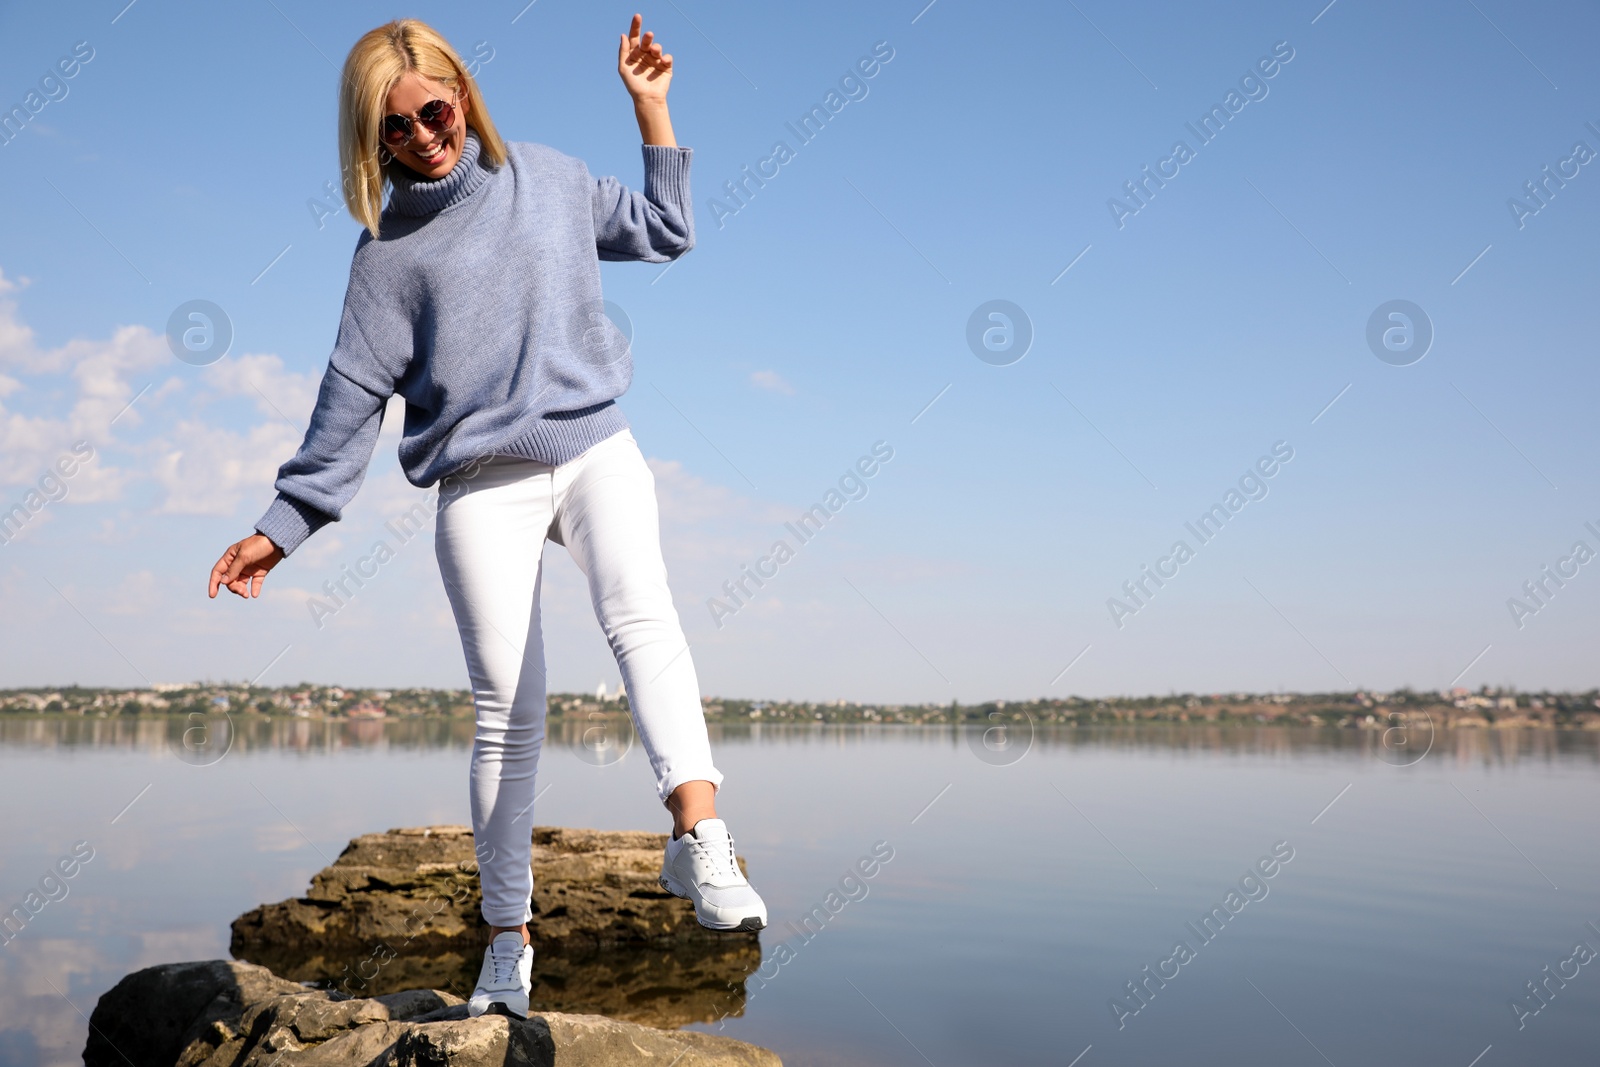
{"type": "Point", "coordinates": [1390, 902]}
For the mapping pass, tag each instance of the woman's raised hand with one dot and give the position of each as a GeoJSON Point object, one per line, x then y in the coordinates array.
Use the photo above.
{"type": "Point", "coordinates": [645, 69]}
{"type": "Point", "coordinates": [244, 566]}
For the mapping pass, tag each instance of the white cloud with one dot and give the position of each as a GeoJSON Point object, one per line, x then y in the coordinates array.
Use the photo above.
{"type": "Point", "coordinates": [204, 463]}
{"type": "Point", "coordinates": [320, 550]}
{"type": "Point", "coordinates": [277, 393]}
{"type": "Point", "coordinates": [207, 470]}
{"type": "Point", "coordinates": [31, 441]}
{"type": "Point", "coordinates": [704, 524]}
{"type": "Point", "coordinates": [685, 498]}
{"type": "Point", "coordinates": [772, 381]}
{"type": "Point", "coordinates": [209, 441]}
{"type": "Point", "coordinates": [135, 594]}
{"type": "Point", "coordinates": [204, 467]}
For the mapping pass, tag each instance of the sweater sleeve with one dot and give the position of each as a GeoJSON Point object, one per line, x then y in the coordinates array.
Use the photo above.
{"type": "Point", "coordinates": [323, 476]}
{"type": "Point", "coordinates": [656, 225]}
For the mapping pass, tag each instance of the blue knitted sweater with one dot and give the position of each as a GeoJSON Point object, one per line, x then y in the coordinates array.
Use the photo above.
{"type": "Point", "coordinates": [479, 303]}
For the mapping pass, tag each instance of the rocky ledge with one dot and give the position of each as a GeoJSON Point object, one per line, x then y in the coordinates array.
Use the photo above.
{"type": "Point", "coordinates": [400, 910]}
{"type": "Point", "coordinates": [223, 1013]}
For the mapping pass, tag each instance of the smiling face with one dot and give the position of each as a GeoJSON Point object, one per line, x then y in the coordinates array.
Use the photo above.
{"type": "Point", "coordinates": [429, 154]}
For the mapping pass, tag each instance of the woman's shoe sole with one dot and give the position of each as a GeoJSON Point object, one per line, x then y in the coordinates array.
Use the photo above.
{"type": "Point", "coordinates": [496, 1007]}
{"type": "Point", "coordinates": [748, 923]}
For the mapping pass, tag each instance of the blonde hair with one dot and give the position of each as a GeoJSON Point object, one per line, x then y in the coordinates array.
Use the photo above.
{"type": "Point", "coordinates": [374, 66]}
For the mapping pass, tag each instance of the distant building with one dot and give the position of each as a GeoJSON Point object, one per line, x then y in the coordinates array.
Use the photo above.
{"type": "Point", "coordinates": [366, 709]}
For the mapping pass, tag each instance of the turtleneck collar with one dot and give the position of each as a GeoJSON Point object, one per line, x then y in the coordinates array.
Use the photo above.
{"type": "Point", "coordinates": [412, 194]}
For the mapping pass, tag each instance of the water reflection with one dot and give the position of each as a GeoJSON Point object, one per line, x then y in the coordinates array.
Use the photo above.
{"type": "Point", "coordinates": [1419, 902]}
{"type": "Point", "coordinates": [252, 733]}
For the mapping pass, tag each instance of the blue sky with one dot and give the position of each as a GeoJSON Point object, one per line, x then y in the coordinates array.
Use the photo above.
{"type": "Point", "coordinates": [185, 158]}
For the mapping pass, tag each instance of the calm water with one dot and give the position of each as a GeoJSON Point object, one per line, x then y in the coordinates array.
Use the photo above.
{"type": "Point", "coordinates": [1022, 896]}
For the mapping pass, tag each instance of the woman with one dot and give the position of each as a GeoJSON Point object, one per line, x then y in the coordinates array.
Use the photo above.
{"type": "Point", "coordinates": [474, 293]}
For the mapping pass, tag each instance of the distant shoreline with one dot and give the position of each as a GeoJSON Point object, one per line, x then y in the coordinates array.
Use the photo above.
{"type": "Point", "coordinates": [1400, 710]}
{"type": "Point", "coordinates": [1227, 721]}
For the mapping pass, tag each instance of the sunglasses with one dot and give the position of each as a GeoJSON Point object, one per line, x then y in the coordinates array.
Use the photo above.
{"type": "Point", "coordinates": [435, 116]}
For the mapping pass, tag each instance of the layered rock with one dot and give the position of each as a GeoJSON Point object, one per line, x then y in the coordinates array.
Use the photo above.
{"type": "Point", "coordinates": [224, 1013]}
{"type": "Point", "coordinates": [400, 909]}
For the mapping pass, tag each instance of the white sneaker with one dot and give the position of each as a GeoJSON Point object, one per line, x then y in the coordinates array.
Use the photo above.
{"type": "Point", "coordinates": [505, 979]}
{"type": "Point", "coordinates": [700, 866]}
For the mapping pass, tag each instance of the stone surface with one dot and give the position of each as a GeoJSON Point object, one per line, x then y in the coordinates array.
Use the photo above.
{"type": "Point", "coordinates": [224, 1013]}
{"type": "Point", "coordinates": [400, 909]}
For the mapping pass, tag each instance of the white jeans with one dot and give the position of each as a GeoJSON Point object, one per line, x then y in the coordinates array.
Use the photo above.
{"type": "Point", "coordinates": [490, 533]}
